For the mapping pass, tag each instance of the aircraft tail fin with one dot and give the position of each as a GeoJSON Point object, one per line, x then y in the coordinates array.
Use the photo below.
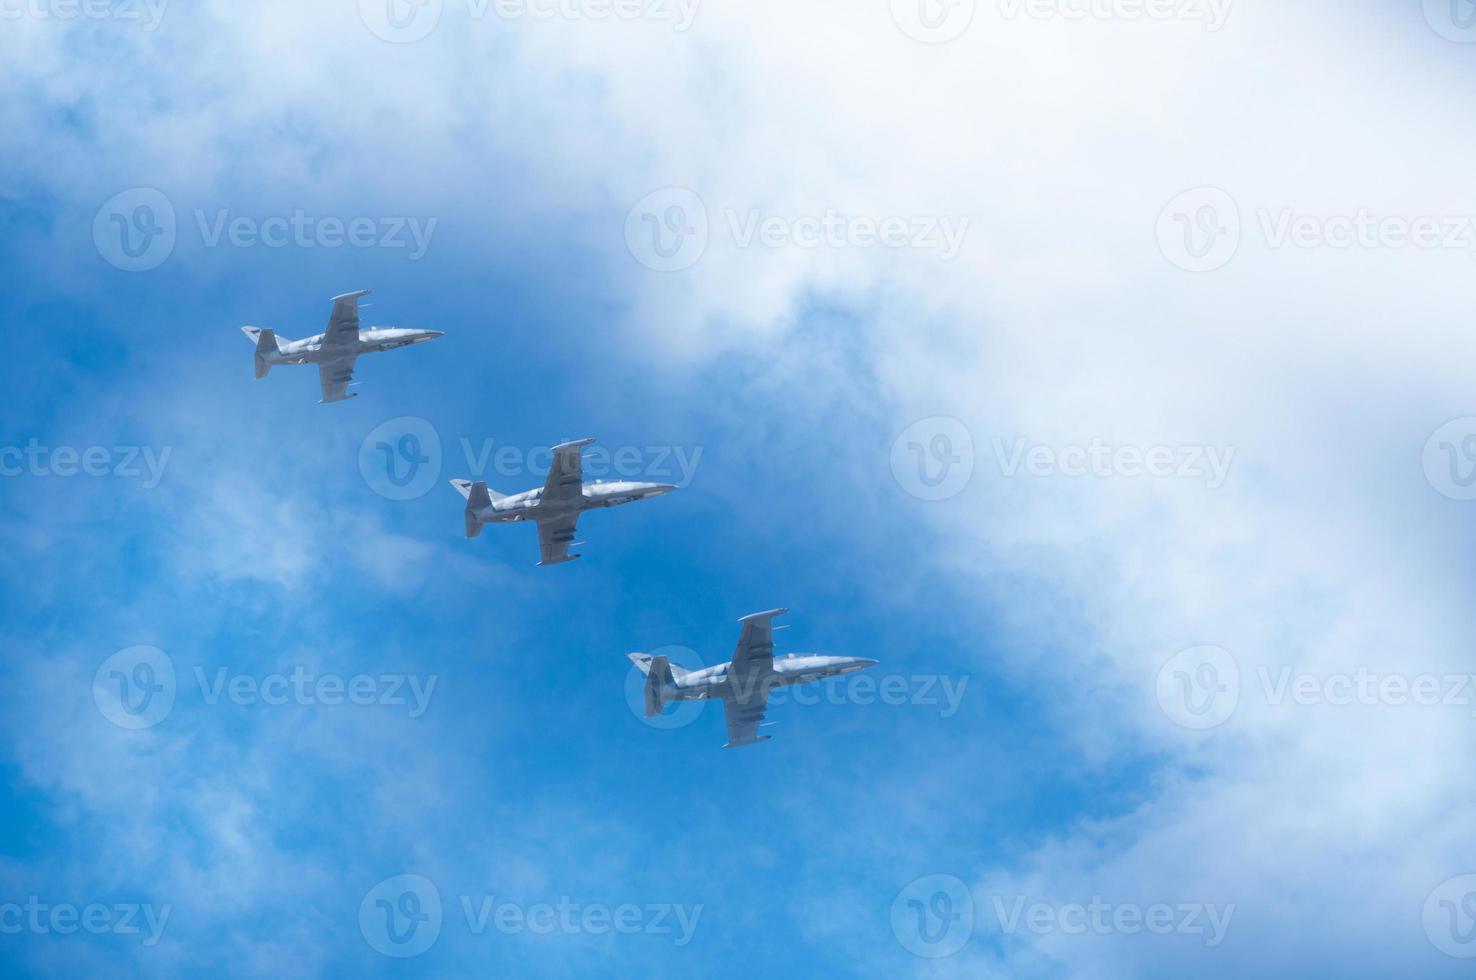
{"type": "Point", "coordinates": [265, 339]}
{"type": "Point", "coordinates": [660, 675]}
{"type": "Point", "coordinates": [477, 497]}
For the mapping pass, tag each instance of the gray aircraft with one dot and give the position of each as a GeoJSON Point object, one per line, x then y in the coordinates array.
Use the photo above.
{"type": "Point", "coordinates": [556, 505]}
{"type": "Point", "coordinates": [335, 350]}
{"type": "Point", "coordinates": [743, 683]}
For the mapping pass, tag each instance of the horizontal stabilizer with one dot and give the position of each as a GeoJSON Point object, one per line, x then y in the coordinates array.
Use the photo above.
{"type": "Point", "coordinates": [753, 741]}
{"type": "Point", "coordinates": [768, 614]}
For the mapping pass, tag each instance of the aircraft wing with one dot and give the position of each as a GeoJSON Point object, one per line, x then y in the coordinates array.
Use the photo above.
{"type": "Point", "coordinates": [566, 476]}
{"type": "Point", "coordinates": [756, 642]}
{"type": "Point", "coordinates": [554, 537]}
{"type": "Point", "coordinates": [335, 377]}
{"type": "Point", "coordinates": [744, 711]}
{"type": "Point", "coordinates": [343, 322]}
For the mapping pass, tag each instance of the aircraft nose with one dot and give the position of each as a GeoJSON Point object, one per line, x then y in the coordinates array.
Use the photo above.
{"type": "Point", "coordinates": [433, 334]}
{"type": "Point", "coordinates": [864, 662]}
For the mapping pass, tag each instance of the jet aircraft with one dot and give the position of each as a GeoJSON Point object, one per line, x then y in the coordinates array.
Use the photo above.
{"type": "Point", "coordinates": [335, 350]}
{"type": "Point", "coordinates": [556, 505]}
{"type": "Point", "coordinates": [745, 682]}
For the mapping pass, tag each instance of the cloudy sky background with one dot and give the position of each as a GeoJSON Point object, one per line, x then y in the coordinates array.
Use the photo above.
{"type": "Point", "coordinates": [1074, 155]}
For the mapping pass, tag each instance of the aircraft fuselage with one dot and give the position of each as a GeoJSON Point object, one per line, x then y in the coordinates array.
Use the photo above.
{"type": "Point", "coordinates": [797, 668]}
{"type": "Point", "coordinates": [530, 505]}
{"type": "Point", "coordinates": [312, 350]}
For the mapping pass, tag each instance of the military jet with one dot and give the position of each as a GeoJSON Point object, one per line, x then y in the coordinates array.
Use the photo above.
{"type": "Point", "coordinates": [744, 683]}
{"type": "Point", "coordinates": [334, 351]}
{"type": "Point", "coordinates": [556, 506]}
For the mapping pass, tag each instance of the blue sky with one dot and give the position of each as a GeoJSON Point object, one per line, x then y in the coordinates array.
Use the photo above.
{"type": "Point", "coordinates": [1078, 311]}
